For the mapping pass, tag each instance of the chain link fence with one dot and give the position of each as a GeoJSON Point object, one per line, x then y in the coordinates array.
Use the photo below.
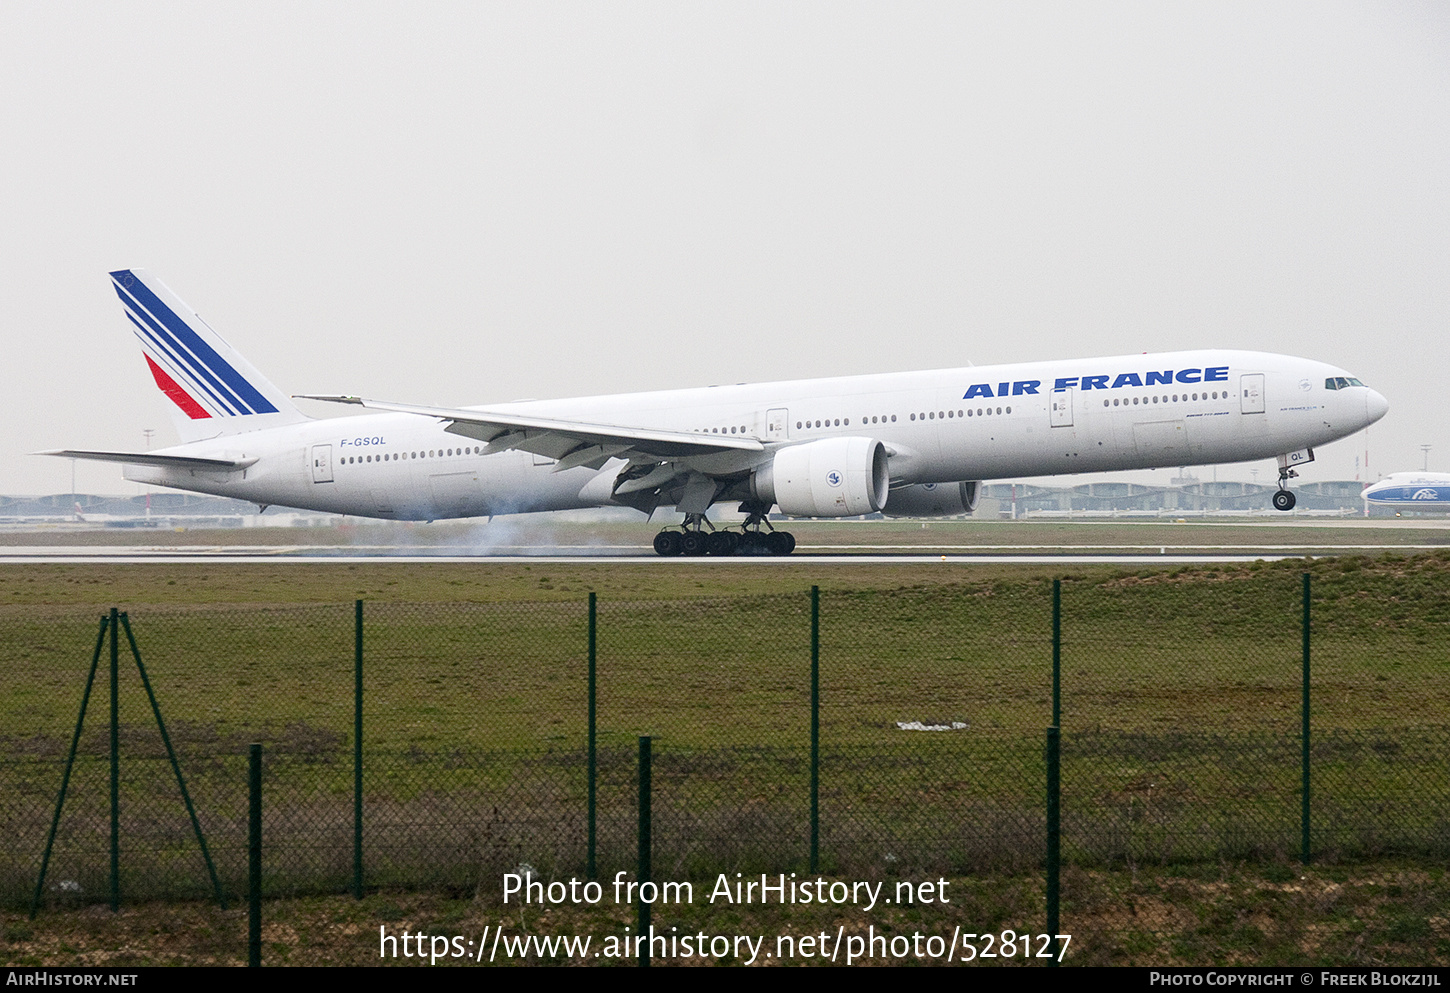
{"type": "Point", "coordinates": [1181, 698]}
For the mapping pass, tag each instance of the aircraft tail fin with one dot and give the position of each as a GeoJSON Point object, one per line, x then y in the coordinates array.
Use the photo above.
{"type": "Point", "coordinates": [213, 390]}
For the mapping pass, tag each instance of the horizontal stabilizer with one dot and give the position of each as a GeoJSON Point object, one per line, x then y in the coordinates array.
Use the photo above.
{"type": "Point", "coordinates": [161, 461]}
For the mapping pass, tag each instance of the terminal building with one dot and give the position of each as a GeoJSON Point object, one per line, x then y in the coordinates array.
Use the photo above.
{"type": "Point", "coordinates": [1181, 497]}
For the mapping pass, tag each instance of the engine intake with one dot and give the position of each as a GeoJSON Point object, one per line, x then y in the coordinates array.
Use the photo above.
{"type": "Point", "coordinates": [934, 500]}
{"type": "Point", "coordinates": [833, 477]}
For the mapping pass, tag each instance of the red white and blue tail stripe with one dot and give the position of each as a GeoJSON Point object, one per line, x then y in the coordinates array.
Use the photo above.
{"type": "Point", "coordinates": [214, 389]}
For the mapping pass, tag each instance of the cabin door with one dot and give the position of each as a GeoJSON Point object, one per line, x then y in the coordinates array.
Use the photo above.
{"type": "Point", "coordinates": [321, 463]}
{"type": "Point", "coordinates": [1251, 393]}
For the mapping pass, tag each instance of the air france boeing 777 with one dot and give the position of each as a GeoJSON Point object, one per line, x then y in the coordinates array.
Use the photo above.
{"type": "Point", "coordinates": [905, 443]}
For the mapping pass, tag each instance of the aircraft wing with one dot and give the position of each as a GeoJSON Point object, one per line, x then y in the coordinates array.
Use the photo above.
{"type": "Point", "coordinates": [573, 443]}
{"type": "Point", "coordinates": [163, 461]}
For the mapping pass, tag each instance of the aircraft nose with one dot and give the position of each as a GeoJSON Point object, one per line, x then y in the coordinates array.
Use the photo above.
{"type": "Point", "coordinates": [1375, 406]}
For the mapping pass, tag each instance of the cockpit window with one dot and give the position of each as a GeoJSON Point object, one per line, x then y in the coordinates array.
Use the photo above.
{"type": "Point", "coordinates": [1354, 382]}
{"type": "Point", "coordinates": [1341, 382]}
{"type": "Point", "coordinates": [1331, 383]}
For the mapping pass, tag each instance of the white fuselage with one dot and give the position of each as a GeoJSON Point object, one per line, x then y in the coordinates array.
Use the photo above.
{"type": "Point", "coordinates": [976, 423]}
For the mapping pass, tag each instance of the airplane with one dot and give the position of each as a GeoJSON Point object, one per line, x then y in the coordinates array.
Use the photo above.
{"type": "Point", "coordinates": [903, 443]}
{"type": "Point", "coordinates": [1411, 491]}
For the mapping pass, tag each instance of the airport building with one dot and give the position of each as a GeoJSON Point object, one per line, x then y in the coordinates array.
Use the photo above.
{"type": "Point", "coordinates": [1004, 501]}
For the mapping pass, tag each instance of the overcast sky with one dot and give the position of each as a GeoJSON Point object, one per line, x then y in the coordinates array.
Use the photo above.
{"type": "Point", "coordinates": [472, 202]}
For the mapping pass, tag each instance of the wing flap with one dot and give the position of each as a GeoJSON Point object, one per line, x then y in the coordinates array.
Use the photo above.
{"type": "Point", "coordinates": [510, 430]}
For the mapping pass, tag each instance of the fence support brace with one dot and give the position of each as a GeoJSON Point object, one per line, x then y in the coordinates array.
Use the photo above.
{"type": "Point", "coordinates": [69, 763]}
{"type": "Point", "coordinates": [175, 766]}
{"type": "Point", "coordinates": [114, 623]}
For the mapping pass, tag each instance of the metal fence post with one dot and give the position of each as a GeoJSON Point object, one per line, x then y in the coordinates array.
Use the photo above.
{"type": "Point", "coordinates": [1054, 834]}
{"type": "Point", "coordinates": [1057, 653]}
{"type": "Point", "coordinates": [357, 751]}
{"type": "Point", "coordinates": [815, 728]}
{"type": "Point", "coordinates": [590, 869]}
{"type": "Point", "coordinates": [1304, 735]}
{"type": "Point", "coordinates": [115, 768]}
{"type": "Point", "coordinates": [254, 856]}
{"type": "Point", "coordinates": [642, 920]}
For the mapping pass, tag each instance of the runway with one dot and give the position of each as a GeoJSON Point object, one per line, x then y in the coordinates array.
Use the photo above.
{"type": "Point", "coordinates": [835, 554]}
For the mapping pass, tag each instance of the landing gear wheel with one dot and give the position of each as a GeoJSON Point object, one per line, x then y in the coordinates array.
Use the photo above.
{"type": "Point", "coordinates": [1284, 500]}
{"type": "Point", "coordinates": [751, 543]}
{"type": "Point", "coordinates": [694, 542]}
{"type": "Point", "coordinates": [723, 543]}
{"type": "Point", "coordinates": [667, 543]}
{"type": "Point", "coordinates": [780, 542]}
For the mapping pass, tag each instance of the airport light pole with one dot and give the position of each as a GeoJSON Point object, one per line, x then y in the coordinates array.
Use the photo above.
{"type": "Point", "coordinates": [148, 432]}
{"type": "Point", "coordinates": [1425, 466]}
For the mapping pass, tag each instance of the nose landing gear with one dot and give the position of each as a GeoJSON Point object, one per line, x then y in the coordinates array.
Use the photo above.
{"type": "Point", "coordinates": [1284, 498]}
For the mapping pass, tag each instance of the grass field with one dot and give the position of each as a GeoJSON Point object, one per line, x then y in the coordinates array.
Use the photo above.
{"type": "Point", "coordinates": [1180, 698]}
{"type": "Point", "coordinates": [541, 532]}
{"type": "Point", "coordinates": [494, 655]}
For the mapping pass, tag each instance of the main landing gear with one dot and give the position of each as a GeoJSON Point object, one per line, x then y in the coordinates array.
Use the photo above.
{"type": "Point", "coordinates": [693, 539]}
{"type": "Point", "coordinates": [1284, 498]}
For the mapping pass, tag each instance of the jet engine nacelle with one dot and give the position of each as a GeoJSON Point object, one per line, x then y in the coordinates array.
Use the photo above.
{"type": "Point", "coordinates": [934, 500]}
{"type": "Point", "coordinates": [833, 477]}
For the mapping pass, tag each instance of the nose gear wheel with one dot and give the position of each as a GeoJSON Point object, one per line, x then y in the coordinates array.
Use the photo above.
{"type": "Point", "coordinates": [1284, 497]}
